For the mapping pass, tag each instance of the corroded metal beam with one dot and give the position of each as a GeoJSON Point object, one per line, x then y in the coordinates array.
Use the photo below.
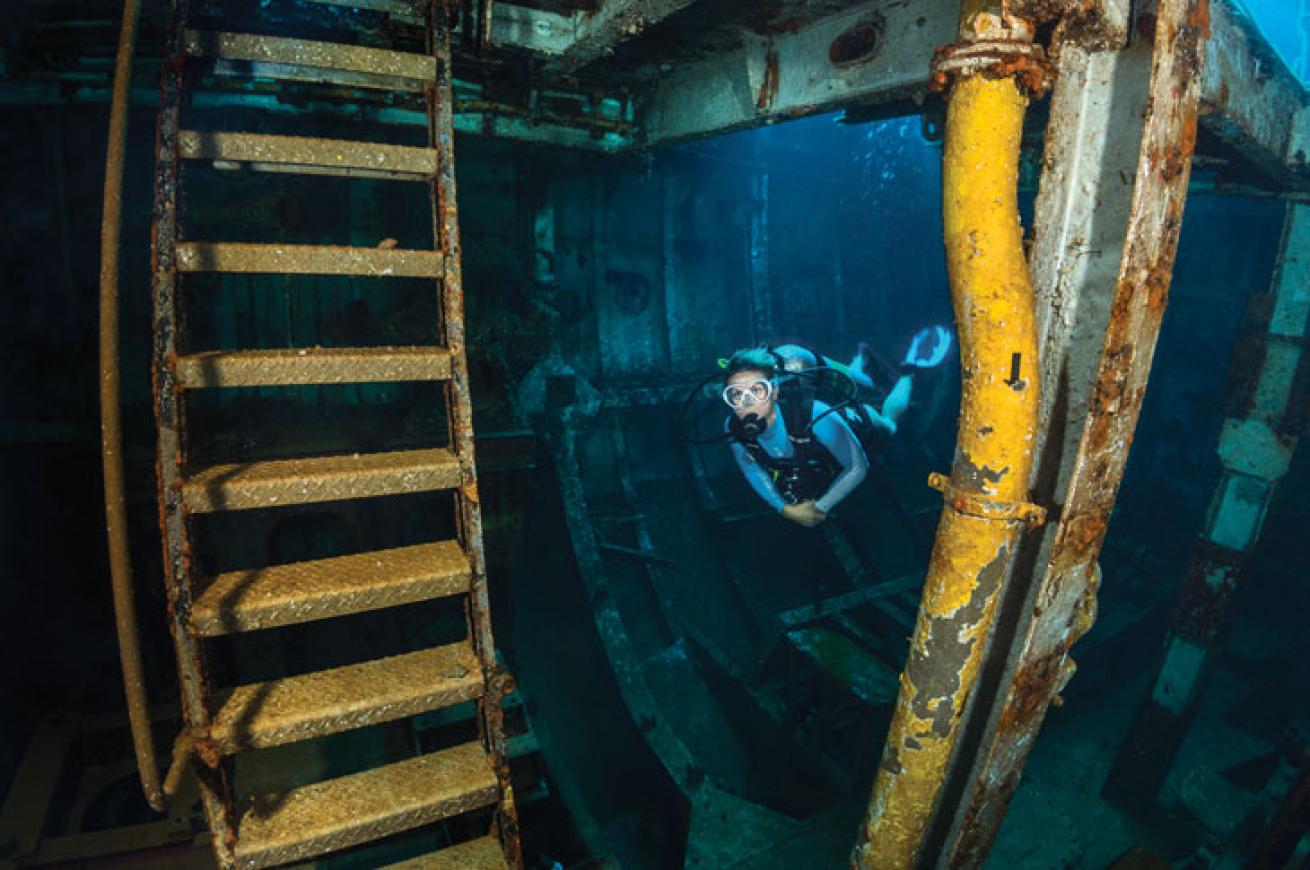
{"type": "Point", "coordinates": [1252, 101]}
{"type": "Point", "coordinates": [1255, 448]}
{"type": "Point", "coordinates": [1064, 597]}
{"type": "Point", "coordinates": [570, 42]}
{"type": "Point", "coordinates": [1090, 157]}
{"type": "Point", "coordinates": [216, 791]}
{"type": "Point", "coordinates": [596, 34]}
{"type": "Point", "coordinates": [793, 75]}
{"type": "Point", "coordinates": [459, 424]}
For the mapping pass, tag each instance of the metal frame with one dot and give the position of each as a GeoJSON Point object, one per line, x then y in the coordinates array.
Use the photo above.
{"type": "Point", "coordinates": [1065, 591]}
{"type": "Point", "coordinates": [459, 418]}
{"type": "Point", "coordinates": [215, 788]}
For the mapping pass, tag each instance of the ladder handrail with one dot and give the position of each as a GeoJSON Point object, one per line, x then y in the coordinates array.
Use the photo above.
{"type": "Point", "coordinates": [111, 432]}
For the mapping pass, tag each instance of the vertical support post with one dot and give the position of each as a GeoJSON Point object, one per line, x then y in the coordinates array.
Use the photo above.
{"type": "Point", "coordinates": [459, 422]}
{"type": "Point", "coordinates": [1061, 604]}
{"type": "Point", "coordinates": [1255, 454]}
{"type": "Point", "coordinates": [1090, 156]}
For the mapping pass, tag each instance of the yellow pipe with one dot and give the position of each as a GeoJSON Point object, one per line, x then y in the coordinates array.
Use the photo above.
{"type": "Point", "coordinates": [985, 506]}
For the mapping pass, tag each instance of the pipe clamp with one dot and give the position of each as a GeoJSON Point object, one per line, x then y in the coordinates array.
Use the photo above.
{"type": "Point", "coordinates": [987, 508]}
{"type": "Point", "coordinates": [998, 58]}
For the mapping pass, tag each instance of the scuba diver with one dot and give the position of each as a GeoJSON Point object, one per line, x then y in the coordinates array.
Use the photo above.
{"type": "Point", "coordinates": [800, 454]}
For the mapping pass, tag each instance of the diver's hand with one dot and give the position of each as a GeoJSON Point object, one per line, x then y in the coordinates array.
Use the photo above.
{"type": "Point", "coordinates": [805, 513]}
{"type": "Point", "coordinates": [928, 347]}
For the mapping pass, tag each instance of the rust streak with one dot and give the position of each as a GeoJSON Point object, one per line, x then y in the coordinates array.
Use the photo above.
{"type": "Point", "coordinates": [768, 94]}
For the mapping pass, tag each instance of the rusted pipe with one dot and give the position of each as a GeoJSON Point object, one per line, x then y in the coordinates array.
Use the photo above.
{"type": "Point", "coordinates": [985, 497]}
{"type": "Point", "coordinates": [111, 431]}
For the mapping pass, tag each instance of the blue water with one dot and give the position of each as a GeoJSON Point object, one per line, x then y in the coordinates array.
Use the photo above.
{"type": "Point", "coordinates": [1284, 24]}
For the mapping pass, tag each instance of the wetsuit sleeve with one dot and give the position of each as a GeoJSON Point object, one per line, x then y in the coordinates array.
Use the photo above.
{"type": "Point", "coordinates": [834, 434]}
{"type": "Point", "coordinates": [757, 476]}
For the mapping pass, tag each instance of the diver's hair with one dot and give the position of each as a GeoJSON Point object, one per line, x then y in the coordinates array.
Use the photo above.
{"type": "Point", "coordinates": [752, 359]}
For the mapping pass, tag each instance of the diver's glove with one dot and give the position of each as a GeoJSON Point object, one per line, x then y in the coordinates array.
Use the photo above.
{"type": "Point", "coordinates": [804, 513]}
{"type": "Point", "coordinates": [927, 349]}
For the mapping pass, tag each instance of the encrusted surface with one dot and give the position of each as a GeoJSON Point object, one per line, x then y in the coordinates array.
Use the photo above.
{"type": "Point", "coordinates": [994, 305]}
{"type": "Point", "coordinates": [306, 260]}
{"type": "Point", "coordinates": [340, 699]}
{"type": "Point", "coordinates": [304, 52]}
{"type": "Point", "coordinates": [315, 365]}
{"type": "Point", "coordinates": [332, 815]}
{"type": "Point", "coordinates": [1063, 597]}
{"type": "Point", "coordinates": [327, 478]}
{"type": "Point", "coordinates": [481, 854]}
{"type": "Point", "coordinates": [304, 151]}
{"type": "Point", "coordinates": [306, 591]}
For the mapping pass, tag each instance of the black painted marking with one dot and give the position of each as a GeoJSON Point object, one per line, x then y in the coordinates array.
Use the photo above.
{"type": "Point", "coordinates": [1015, 360]}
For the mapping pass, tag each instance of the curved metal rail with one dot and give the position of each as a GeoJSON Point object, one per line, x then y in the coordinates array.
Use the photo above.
{"type": "Point", "coordinates": [111, 433]}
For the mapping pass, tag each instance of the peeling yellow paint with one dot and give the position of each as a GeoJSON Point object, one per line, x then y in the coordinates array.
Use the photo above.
{"type": "Point", "coordinates": [994, 306]}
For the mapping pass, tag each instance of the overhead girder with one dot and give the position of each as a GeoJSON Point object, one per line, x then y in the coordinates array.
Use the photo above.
{"type": "Point", "coordinates": [570, 42]}
{"type": "Point", "coordinates": [792, 75]}
{"type": "Point", "coordinates": [1252, 102]}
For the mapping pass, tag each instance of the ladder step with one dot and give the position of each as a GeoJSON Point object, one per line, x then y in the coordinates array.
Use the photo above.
{"type": "Point", "coordinates": [338, 813]}
{"type": "Point", "coordinates": [304, 53]}
{"type": "Point", "coordinates": [481, 854]}
{"type": "Point", "coordinates": [312, 705]}
{"type": "Point", "coordinates": [305, 591]}
{"type": "Point", "coordinates": [317, 365]}
{"type": "Point", "coordinates": [327, 478]}
{"type": "Point", "coordinates": [329, 156]}
{"type": "Point", "coordinates": [307, 260]}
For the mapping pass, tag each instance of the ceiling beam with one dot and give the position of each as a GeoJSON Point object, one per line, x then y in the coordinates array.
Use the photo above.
{"type": "Point", "coordinates": [1252, 101]}
{"type": "Point", "coordinates": [570, 42]}
{"type": "Point", "coordinates": [616, 21]}
{"type": "Point", "coordinates": [775, 78]}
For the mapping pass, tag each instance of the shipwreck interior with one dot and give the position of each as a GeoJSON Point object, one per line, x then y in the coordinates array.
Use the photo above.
{"type": "Point", "coordinates": [402, 326]}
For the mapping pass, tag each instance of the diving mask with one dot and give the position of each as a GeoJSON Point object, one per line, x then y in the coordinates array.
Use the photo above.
{"type": "Point", "coordinates": [744, 395]}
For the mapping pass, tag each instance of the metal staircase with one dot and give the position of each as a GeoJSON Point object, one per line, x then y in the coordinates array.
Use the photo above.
{"type": "Point", "coordinates": [338, 813]}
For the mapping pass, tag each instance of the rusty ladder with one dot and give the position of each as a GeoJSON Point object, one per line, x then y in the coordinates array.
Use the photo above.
{"type": "Point", "coordinates": [347, 811]}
